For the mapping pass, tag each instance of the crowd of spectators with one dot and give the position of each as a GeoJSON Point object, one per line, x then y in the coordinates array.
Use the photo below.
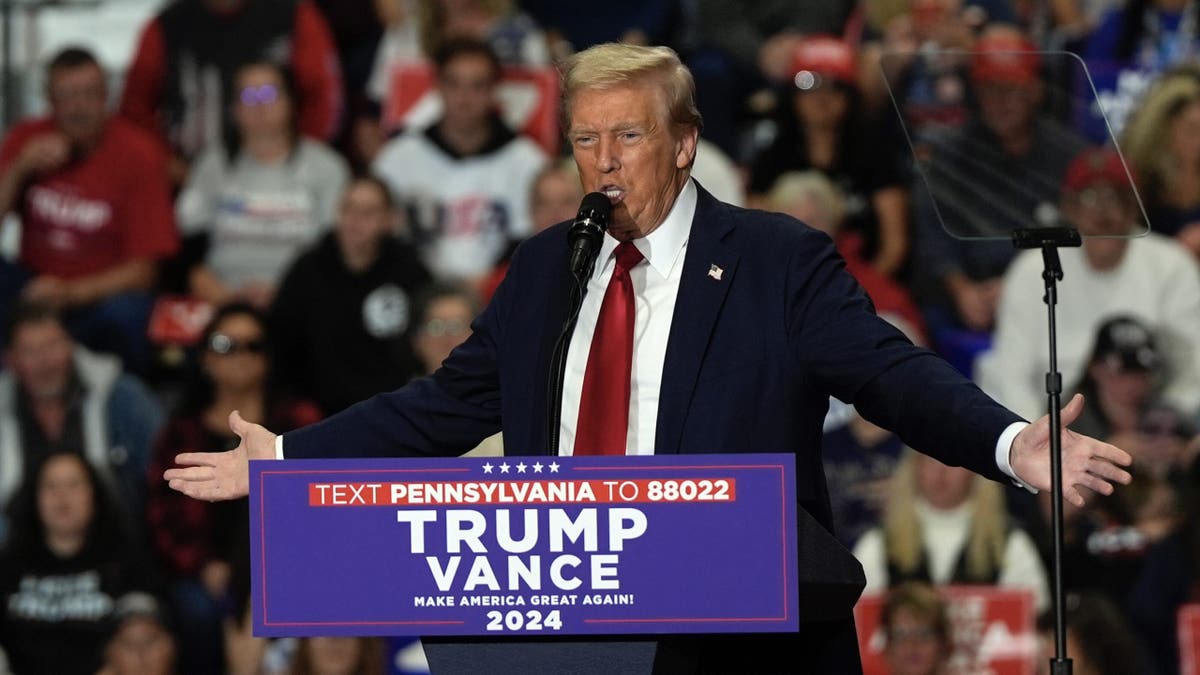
{"type": "Point", "coordinates": [339, 185]}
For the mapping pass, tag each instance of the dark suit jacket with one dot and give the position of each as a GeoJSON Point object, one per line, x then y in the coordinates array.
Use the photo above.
{"type": "Point", "coordinates": [751, 361]}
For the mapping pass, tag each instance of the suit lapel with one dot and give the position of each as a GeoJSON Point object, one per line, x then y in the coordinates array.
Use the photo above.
{"type": "Point", "coordinates": [708, 271]}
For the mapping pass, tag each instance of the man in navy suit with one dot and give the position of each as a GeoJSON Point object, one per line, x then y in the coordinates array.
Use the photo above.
{"type": "Point", "coordinates": [744, 324]}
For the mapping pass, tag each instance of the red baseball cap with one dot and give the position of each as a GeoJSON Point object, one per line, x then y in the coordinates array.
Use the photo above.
{"type": "Point", "coordinates": [826, 57]}
{"type": "Point", "coordinates": [1006, 57]}
{"type": "Point", "coordinates": [1097, 165]}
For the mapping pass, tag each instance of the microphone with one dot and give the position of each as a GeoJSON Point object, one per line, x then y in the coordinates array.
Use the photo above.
{"type": "Point", "coordinates": [585, 234]}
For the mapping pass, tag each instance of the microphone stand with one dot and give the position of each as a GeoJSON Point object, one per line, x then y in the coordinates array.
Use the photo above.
{"type": "Point", "coordinates": [558, 360]}
{"type": "Point", "coordinates": [1049, 240]}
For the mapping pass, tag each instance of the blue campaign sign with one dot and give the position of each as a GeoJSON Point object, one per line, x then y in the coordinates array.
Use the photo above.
{"type": "Point", "coordinates": [524, 545]}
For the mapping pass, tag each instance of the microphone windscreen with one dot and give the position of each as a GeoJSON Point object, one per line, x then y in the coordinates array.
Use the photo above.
{"type": "Point", "coordinates": [598, 203]}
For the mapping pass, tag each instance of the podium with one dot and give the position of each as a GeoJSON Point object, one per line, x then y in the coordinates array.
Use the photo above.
{"type": "Point", "coordinates": [535, 564]}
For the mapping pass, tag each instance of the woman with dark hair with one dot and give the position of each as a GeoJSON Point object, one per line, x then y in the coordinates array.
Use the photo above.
{"type": "Point", "coordinates": [1119, 379]}
{"type": "Point", "coordinates": [205, 547]}
{"type": "Point", "coordinates": [342, 314]}
{"type": "Point", "coordinates": [67, 561]}
{"type": "Point", "coordinates": [821, 128]}
{"type": "Point", "coordinates": [251, 204]}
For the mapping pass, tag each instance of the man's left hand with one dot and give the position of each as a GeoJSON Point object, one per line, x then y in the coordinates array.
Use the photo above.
{"type": "Point", "coordinates": [1086, 462]}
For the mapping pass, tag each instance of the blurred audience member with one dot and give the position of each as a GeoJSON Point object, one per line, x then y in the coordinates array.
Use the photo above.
{"type": "Point", "coordinates": [1150, 278]}
{"type": "Point", "coordinates": [95, 209]}
{"type": "Point", "coordinates": [916, 56]}
{"type": "Point", "coordinates": [1118, 380]}
{"type": "Point", "coordinates": [714, 170]}
{"type": "Point", "coordinates": [916, 625]}
{"type": "Point", "coordinates": [357, 30]}
{"type": "Point", "coordinates": [554, 197]}
{"type": "Point", "coordinates": [419, 29]}
{"type": "Point", "coordinates": [1162, 143]}
{"type": "Point", "coordinates": [56, 396]}
{"type": "Point", "coordinates": [822, 128]}
{"type": "Point", "coordinates": [341, 316]}
{"type": "Point", "coordinates": [742, 47]}
{"type": "Point", "coordinates": [399, 46]}
{"type": "Point", "coordinates": [512, 35]}
{"type": "Point", "coordinates": [641, 22]}
{"type": "Point", "coordinates": [67, 562]}
{"type": "Point", "coordinates": [443, 321]}
{"type": "Point", "coordinates": [205, 547]}
{"type": "Point", "coordinates": [1099, 639]}
{"type": "Point", "coordinates": [1131, 46]}
{"type": "Point", "coordinates": [340, 656]}
{"type": "Point", "coordinates": [252, 204]}
{"type": "Point", "coordinates": [189, 55]}
{"type": "Point", "coordinates": [810, 197]}
{"type": "Point", "coordinates": [1073, 20]}
{"type": "Point", "coordinates": [466, 178]}
{"type": "Point", "coordinates": [141, 641]}
{"type": "Point", "coordinates": [1168, 580]}
{"type": "Point", "coordinates": [979, 182]}
{"type": "Point", "coordinates": [859, 459]}
{"type": "Point", "coordinates": [945, 525]}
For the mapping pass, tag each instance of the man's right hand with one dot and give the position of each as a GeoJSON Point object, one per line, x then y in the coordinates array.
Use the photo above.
{"type": "Point", "coordinates": [44, 153]}
{"type": "Point", "coordinates": [217, 476]}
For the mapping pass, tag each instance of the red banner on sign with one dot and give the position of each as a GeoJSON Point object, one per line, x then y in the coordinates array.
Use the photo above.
{"type": "Point", "coordinates": [993, 631]}
{"type": "Point", "coordinates": [1189, 640]}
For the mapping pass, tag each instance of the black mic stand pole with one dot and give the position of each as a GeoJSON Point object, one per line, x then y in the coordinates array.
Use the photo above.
{"type": "Point", "coordinates": [1049, 240]}
{"type": "Point", "coordinates": [558, 361]}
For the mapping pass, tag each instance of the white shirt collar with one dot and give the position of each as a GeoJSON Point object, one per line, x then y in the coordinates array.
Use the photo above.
{"type": "Point", "coordinates": [661, 248]}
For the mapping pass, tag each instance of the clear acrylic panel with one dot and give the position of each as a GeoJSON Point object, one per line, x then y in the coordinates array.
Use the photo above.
{"type": "Point", "coordinates": [1000, 142]}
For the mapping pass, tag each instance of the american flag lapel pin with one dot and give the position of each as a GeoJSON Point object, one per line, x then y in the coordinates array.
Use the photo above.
{"type": "Point", "coordinates": [715, 272]}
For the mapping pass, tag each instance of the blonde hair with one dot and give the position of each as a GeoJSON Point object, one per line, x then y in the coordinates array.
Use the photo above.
{"type": "Point", "coordinates": [1147, 134]}
{"type": "Point", "coordinates": [563, 166]}
{"type": "Point", "coordinates": [612, 65]}
{"type": "Point", "coordinates": [812, 185]}
{"type": "Point", "coordinates": [987, 538]}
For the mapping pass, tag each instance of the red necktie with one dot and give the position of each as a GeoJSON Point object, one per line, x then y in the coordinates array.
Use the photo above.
{"type": "Point", "coordinates": [604, 404]}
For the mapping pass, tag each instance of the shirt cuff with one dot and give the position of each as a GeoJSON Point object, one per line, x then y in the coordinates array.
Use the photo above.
{"type": "Point", "coordinates": [279, 447]}
{"type": "Point", "coordinates": [1003, 450]}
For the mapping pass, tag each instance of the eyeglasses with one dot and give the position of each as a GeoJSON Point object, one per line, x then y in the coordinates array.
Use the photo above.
{"type": "Point", "coordinates": [263, 94]}
{"type": "Point", "coordinates": [441, 327]}
{"type": "Point", "coordinates": [224, 345]}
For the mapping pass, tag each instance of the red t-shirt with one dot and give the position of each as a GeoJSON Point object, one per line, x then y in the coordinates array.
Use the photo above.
{"type": "Point", "coordinates": [108, 207]}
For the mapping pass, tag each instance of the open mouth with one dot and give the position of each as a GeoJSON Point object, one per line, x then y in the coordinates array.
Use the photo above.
{"type": "Point", "coordinates": [614, 193]}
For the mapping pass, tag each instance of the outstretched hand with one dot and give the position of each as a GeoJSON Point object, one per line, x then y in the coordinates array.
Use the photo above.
{"type": "Point", "coordinates": [1086, 462]}
{"type": "Point", "coordinates": [216, 476]}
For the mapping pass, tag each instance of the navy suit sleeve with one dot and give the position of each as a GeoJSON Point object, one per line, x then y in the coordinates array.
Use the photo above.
{"type": "Point", "coordinates": [445, 414]}
{"type": "Point", "coordinates": [863, 360]}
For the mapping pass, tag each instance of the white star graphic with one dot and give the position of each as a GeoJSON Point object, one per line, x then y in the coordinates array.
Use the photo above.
{"type": "Point", "coordinates": [487, 468]}
{"type": "Point", "coordinates": [504, 467]}
{"type": "Point", "coordinates": [537, 467]}
{"type": "Point", "coordinates": [553, 467]}
{"type": "Point", "coordinates": [521, 467]}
